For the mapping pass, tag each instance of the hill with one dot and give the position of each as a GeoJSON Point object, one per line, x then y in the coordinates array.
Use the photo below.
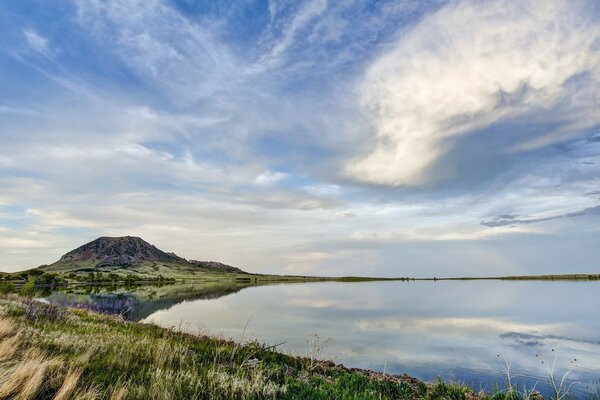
{"type": "Point", "coordinates": [132, 255]}
{"type": "Point", "coordinates": [119, 251]}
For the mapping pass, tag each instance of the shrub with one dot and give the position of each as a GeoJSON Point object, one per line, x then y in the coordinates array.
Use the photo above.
{"type": "Point", "coordinates": [35, 311]}
{"type": "Point", "coordinates": [49, 279]}
{"type": "Point", "coordinates": [28, 289]}
{"type": "Point", "coordinates": [7, 287]}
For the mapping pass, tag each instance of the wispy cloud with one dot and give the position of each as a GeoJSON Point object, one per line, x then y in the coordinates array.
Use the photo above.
{"type": "Point", "coordinates": [306, 14]}
{"type": "Point", "coordinates": [37, 42]}
{"type": "Point", "coordinates": [504, 220]}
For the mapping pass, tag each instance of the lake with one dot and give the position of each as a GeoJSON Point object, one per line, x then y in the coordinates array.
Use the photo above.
{"type": "Point", "coordinates": [465, 331]}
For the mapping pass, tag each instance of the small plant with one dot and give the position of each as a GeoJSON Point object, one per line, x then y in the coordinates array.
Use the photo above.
{"type": "Point", "coordinates": [315, 345]}
{"type": "Point", "coordinates": [508, 377]}
{"type": "Point", "coordinates": [241, 342]}
{"type": "Point", "coordinates": [560, 387]}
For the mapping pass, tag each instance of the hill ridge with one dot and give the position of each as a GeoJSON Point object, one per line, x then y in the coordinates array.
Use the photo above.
{"type": "Point", "coordinates": [120, 250]}
{"type": "Point", "coordinates": [131, 254]}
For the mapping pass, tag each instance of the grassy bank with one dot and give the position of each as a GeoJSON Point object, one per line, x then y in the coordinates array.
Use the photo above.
{"type": "Point", "coordinates": [135, 277]}
{"type": "Point", "coordinates": [49, 352]}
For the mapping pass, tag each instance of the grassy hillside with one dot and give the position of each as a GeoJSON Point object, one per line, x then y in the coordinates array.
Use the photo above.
{"type": "Point", "coordinates": [140, 269]}
{"type": "Point", "coordinates": [49, 352]}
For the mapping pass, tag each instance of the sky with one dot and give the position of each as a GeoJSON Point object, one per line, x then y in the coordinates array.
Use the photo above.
{"type": "Point", "coordinates": [381, 138]}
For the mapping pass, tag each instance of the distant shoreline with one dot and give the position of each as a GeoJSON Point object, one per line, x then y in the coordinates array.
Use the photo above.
{"type": "Point", "coordinates": [20, 279]}
{"type": "Point", "coordinates": [559, 277]}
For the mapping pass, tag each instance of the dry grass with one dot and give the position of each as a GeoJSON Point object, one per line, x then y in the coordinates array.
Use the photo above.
{"type": "Point", "coordinates": [33, 385]}
{"type": "Point", "coordinates": [7, 328]}
{"type": "Point", "coordinates": [88, 394]}
{"type": "Point", "coordinates": [8, 348]}
{"type": "Point", "coordinates": [69, 384]}
{"type": "Point", "coordinates": [24, 379]}
{"type": "Point", "coordinates": [119, 393]}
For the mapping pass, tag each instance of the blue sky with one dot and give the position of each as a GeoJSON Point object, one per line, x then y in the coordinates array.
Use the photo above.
{"type": "Point", "coordinates": [312, 137]}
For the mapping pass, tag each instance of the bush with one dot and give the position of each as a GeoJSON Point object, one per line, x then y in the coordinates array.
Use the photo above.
{"type": "Point", "coordinates": [35, 311]}
{"type": "Point", "coordinates": [28, 289]}
{"type": "Point", "coordinates": [50, 279]}
{"type": "Point", "coordinates": [7, 287]}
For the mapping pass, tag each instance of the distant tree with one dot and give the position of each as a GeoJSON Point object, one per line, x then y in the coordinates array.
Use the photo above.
{"type": "Point", "coordinates": [22, 275]}
{"type": "Point", "coordinates": [49, 279]}
{"type": "Point", "coordinates": [7, 287]}
{"type": "Point", "coordinates": [28, 289]}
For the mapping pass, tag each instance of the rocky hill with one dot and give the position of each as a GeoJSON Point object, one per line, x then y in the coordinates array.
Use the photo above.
{"type": "Point", "coordinates": [119, 251]}
{"type": "Point", "coordinates": [216, 266]}
{"type": "Point", "coordinates": [132, 255]}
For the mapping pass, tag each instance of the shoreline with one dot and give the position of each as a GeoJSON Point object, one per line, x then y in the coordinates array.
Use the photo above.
{"type": "Point", "coordinates": [60, 281]}
{"type": "Point", "coordinates": [127, 356]}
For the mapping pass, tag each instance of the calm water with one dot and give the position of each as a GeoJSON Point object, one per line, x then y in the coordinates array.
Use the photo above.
{"type": "Point", "coordinates": [454, 330]}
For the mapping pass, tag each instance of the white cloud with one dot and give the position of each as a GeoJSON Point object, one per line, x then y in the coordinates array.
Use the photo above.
{"type": "Point", "coordinates": [467, 66]}
{"type": "Point", "coordinates": [37, 42]}
{"type": "Point", "coordinates": [270, 177]}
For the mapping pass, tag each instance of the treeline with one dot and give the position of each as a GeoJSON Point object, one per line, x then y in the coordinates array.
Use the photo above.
{"type": "Point", "coordinates": [28, 283]}
{"type": "Point", "coordinates": [100, 277]}
{"type": "Point", "coordinates": [40, 277]}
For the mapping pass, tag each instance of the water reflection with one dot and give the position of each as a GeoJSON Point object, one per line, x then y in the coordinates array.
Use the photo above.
{"type": "Point", "coordinates": [135, 303]}
{"type": "Point", "coordinates": [429, 330]}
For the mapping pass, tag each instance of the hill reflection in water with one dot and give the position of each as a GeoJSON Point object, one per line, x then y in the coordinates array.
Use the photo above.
{"type": "Point", "coordinates": [137, 303]}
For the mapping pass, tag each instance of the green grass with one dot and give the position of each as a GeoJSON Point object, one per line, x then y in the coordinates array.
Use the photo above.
{"type": "Point", "coordinates": [48, 352]}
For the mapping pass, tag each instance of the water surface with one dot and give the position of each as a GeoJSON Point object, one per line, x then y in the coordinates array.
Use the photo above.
{"type": "Point", "coordinates": [460, 330]}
